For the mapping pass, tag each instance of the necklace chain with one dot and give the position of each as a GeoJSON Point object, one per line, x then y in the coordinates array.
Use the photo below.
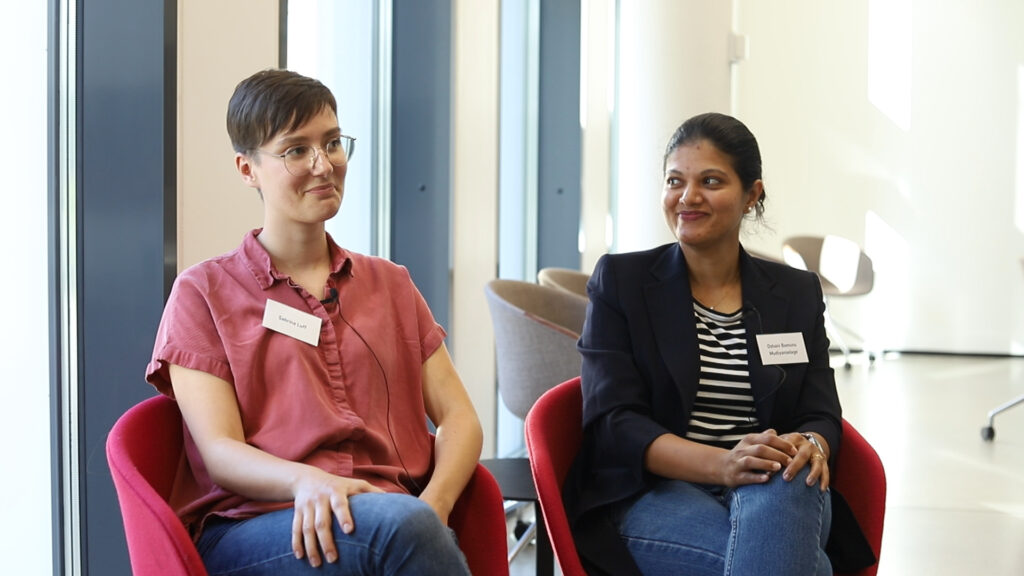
{"type": "Point", "coordinates": [725, 292]}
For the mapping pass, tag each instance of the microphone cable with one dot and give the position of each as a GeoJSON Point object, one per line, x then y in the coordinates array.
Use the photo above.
{"type": "Point", "coordinates": [387, 392]}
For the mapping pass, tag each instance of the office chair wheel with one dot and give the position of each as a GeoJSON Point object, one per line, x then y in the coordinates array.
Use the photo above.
{"type": "Point", "coordinates": [988, 433]}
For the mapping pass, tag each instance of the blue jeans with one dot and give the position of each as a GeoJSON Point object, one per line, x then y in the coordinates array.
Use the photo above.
{"type": "Point", "coordinates": [774, 529]}
{"type": "Point", "coordinates": [395, 534]}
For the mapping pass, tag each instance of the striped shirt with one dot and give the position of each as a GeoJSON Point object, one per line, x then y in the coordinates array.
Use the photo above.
{"type": "Point", "coordinates": [723, 412]}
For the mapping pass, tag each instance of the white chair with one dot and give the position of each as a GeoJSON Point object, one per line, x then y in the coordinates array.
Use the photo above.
{"type": "Point", "coordinates": [988, 433]}
{"type": "Point", "coordinates": [844, 270]}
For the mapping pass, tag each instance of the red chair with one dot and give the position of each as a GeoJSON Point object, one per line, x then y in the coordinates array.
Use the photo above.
{"type": "Point", "coordinates": [144, 449]}
{"type": "Point", "coordinates": [860, 478]}
{"type": "Point", "coordinates": [553, 434]}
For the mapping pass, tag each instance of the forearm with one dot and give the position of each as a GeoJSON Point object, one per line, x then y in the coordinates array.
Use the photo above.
{"type": "Point", "coordinates": [253, 473]}
{"type": "Point", "coordinates": [456, 452]}
{"type": "Point", "coordinates": [671, 456]}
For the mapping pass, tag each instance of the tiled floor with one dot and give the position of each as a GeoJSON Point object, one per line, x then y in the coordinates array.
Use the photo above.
{"type": "Point", "coordinates": [955, 503]}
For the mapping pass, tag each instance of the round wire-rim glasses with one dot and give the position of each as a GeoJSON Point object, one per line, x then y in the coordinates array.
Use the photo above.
{"type": "Point", "coordinates": [300, 160]}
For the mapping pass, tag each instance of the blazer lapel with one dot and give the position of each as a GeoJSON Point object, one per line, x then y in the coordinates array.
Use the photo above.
{"type": "Point", "coordinates": [764, 312]}
{"type": "Point", "coordinates": [674, 332]}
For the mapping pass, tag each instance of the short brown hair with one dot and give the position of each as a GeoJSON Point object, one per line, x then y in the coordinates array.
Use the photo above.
{"type": "Point", "coordinates": [271, 101]}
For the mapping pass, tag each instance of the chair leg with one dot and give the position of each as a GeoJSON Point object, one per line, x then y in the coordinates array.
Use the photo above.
{"type": "Point", "coordinates": [545, 555]}
{"type": "Point", "coordinates": [535, 532]}
{"type": "Point", "coordinates": [834, 330]}
{"type": "Point", "coordinates": [842, 328]}
{"type": "Point", "coordinates": [528, 534]}
{"type": "Point", "coordinates": [988, 433]}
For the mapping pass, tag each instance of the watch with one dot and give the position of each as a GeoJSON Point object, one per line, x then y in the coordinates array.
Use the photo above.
{"type": "Point", "coordinates": [814, 440]}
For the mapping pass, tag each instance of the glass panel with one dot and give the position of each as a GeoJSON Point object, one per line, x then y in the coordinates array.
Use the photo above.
{"type": "Point", "coordinates": [336, 42]}
{"type": "Point", "coordinates": [25, 392]}
{"type": "Point", "coordinates": [517, 186]}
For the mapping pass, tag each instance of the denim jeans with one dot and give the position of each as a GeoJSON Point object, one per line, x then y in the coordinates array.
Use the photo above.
{"type": "Point", "coordinates": [394, 534]}
{"type": "Point", "coordinates": [774, 529]}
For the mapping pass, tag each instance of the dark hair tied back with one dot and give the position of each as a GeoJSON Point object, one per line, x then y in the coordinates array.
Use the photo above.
{"type": "Point", "coordinates": [730, 136]}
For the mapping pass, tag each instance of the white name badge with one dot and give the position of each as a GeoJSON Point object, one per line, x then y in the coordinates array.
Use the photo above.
{"type": "Point", "coordinates": [787, 348]}
{"type": "Point", "coordinates": [291, 322]}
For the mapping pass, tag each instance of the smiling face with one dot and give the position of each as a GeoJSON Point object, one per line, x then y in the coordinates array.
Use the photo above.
{"type": "Point", "coordinates": [312, 198]}
{"type": "Point", "coordinates": [703, 198]}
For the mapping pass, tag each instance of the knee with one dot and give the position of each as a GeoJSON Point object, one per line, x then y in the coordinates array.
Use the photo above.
{"type": "Point", "coordinates": [396, 509]}
{"type": "Point", "coordinates": [781, 493]}
{"type": "Point", "coordinates": [414, 514]}
{"type": "Point", "coordinates": [411, 521]}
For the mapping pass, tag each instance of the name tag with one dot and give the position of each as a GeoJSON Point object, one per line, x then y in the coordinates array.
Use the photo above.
{"type": "Point", "coordinates": [291, 322]}
{"type": "Point", "coordinates": [787, 348]}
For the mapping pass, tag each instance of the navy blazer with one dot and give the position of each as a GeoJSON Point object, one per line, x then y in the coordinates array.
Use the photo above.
{"type": "Point", "coordinates": [641, 368]}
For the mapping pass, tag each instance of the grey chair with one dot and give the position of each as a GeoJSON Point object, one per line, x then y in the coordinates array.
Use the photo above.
{"type": "Point", "coordinates": [567, 279]}
{"type": "Point", "coordinates": [844, 270]}
{"type": "Point", "coordinates": [535, 332]}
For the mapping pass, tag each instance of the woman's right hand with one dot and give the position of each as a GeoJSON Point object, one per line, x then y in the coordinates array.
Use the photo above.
{"type": "Point", "coordinates": [210, 409]}
{"type": "Point", "coordinates": [755, 458]}
{"type": "Point", "coordinates": [319, 497]}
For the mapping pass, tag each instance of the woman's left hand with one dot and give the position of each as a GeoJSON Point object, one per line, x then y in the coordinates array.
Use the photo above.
{"type": "Point", "coordinates": [807, 454]}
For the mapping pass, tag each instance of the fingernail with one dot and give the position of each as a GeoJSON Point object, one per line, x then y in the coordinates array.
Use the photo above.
{"type": "Point", "coordinates": [332, 558]}
{"type": "Point", "coordinates": [346, 528]}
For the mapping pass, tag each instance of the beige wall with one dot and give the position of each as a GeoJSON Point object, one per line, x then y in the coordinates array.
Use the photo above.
{"type": "Point", "coordinates": [219, 44]}
{"type": "Point", "coordinates": [898, 124]}
{"type": "Point", "coordinates": [475, 201]}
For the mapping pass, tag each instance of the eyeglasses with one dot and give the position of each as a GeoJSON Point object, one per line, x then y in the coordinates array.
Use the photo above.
{"type": "Point", "coordinates": [300, 160]}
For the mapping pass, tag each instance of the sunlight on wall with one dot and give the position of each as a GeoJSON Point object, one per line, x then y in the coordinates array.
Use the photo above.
{"type": "Point", "coordinates": [888, 321]}
{"type": "Point", "coordinates": [890, 62]}
{"type": "Point", "coordinates": [1019, 172]}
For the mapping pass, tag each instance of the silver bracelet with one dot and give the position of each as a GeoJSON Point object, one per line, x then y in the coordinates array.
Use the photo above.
{"type": "Point", "coordinates": [813, 440]}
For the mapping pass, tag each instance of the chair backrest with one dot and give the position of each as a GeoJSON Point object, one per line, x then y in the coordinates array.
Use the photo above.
{"type": "Point", "coordinates": [553, 434]}
{"type": "Point", "coordinates": [567, 279]}
{"type": "Point", "coordinates": [844, 269]}
{"type": "Point", "coordinates": [535, 332]}
{"type": "Point", "coordinates": [144, 449]}
{"type": "Point", "coordinates": [860, 477]}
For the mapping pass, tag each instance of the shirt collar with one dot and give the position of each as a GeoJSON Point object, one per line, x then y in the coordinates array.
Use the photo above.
{"type": "Point", "coordinates": [258, 260]}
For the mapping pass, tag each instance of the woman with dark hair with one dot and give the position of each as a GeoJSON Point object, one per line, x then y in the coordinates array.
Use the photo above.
{"type": "Point", "coordinates": [305, 374]}
{"type": "Point", "coordinates": [710, 410]}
